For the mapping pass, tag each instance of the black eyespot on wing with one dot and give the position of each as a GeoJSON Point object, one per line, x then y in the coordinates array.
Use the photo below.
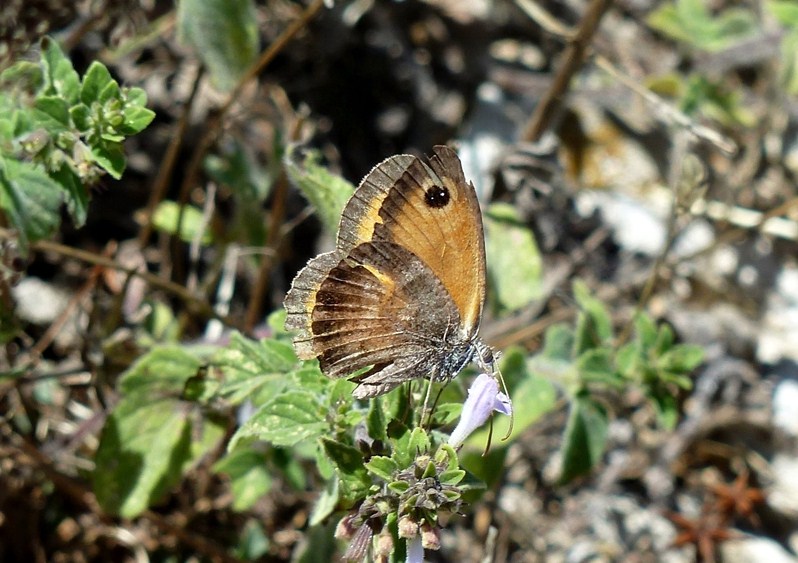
{"type": "Point", "coordinates": [437, 197]}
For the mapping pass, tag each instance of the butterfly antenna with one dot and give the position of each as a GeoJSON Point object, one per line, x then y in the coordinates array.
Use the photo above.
{"type": "Point", "coordinates": [500, 377]}
{"type": "Point", "coordinates": [490, 438]}
{"type": "Point", "coordinates": [424, 411]}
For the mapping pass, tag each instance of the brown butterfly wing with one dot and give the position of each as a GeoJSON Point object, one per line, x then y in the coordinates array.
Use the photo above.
{"type": "Point", "coordinates": [432, 212]}
{"type": "Point", "coordinates": [379, 305]}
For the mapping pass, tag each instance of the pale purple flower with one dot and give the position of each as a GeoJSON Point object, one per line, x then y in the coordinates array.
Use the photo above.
{"type": "Point", "coordinates": [483, 398]}
{"type": "Point", "coordinates": [415, 551]}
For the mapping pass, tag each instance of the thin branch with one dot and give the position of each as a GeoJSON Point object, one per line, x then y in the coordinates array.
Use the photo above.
{"type": "Point", "coordinates": [198, 303]}
{"type": "Point", "coordinates": [549, 106]}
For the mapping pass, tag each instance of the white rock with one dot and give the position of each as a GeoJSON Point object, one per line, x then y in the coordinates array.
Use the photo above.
{"type": "Point", "coordinates": [39, 302]}
{"type": "Point", "coordinates": [782, 494]}
{"type": "Point", "coordinates": [785, 413]}
{"type": "Point", "coordinates": [754, 550]}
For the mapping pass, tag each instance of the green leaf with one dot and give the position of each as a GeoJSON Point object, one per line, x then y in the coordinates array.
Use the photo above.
{"type": "Point", "coordinates": [59, 76]}
{"type": "Point", "coordinates": [253, 543]}
{"type": "Point", "coordinates": [558, 343]}
{"type": "Point", "coordinates": [288, 419]}
{"type": "Point", "coordinates": [664, 340]}
{"type": "Point", "coordinates": [419, 442]}
{"type": "Point", "coordinates": [249, 477]}
{"type": "Point", "coordinates": [514, 262]}
{"type": "Point", "coordinates": [353, 478]}
{"type": "Point", "coordinates": [110, 157]}
{"type": "Point", "coordinates": [145, 447]}
{"type": "Point", "coordinates": [628, 360]}
{"type": "Point", "coordinates": [253, 369]}
{"type": "Point", "coordinates": [142, 447]}
{"type": "Point", "coordinates": [326, 192]}
{"type": "Point", "coordinates": [167, 215]}
{"type": "Point", "coordinates": [665, 406]}
{"type": "Point", "coordinates": [109, 92]}
{"type": "Point", "coordinates": [452, 477]}
{"type": "Point", "coordinates": [77, 196]}
{"type": "Point", "coordinates": [162, 372]}
{"type": "Point", "coordinates": [375, 421]}
{"type": "Point", "coordinates": [30, 199]}
{"type": "Point", "coordinates": [81, 116]}
{"type": "Point", "coordinates": [23, 77]}
{"type": "Point", "coordinates": [683, 358]}
{"type": "Point", "coordinates": [383, 467]}
{"type": "Point", "coordinates": [645, 330]}
{"type": "Point", "coordinates": [325, 504]}
{"type": "Point", "coordinates": [54, 107]}
{"type": "Point", "coordinates": [136, 119]}
{"type": "Point", "coordinates": [691, 22]}
{"type": "Point", "coordinates": [596, 366]}
{"type": "Point", "coordinates": [223, 33]}
{"type": "Point", "coordinates": [593, 326]}
{"type": "Point", "coordinates": [584, 439]}
{"type": "Point", "coordinates": [96, 79]}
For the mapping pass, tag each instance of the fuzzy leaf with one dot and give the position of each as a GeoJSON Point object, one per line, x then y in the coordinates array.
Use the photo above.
{"type": "Point", "coordinates": [285, 421]}
{"type": "Point", "coordinates": [584, 439]}
{"type": "Point", "coordinates": [514, 262]}
{"type": "Point", "coordinates": [30, 199]}
{"type": "Point", "coordinates": [223, 33]}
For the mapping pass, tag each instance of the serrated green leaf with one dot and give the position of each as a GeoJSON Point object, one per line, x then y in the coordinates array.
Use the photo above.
{"type": "Point", "coordinates": [584, 439]}
{"type": "Point", "coordinates": [223, 33]}
{"type": "Point", "coordinates": [162, 372]}
{"type": "Point", "coordinates": [142, 448]}
{"type": "Point", "coordinates": [167, 215]}
{"type": "Point", "coordinates": [136, 119]}
{"type": "Point", "coordinates": [326, 192]}
{"type": "Point", "coordinates": [255, 369]}
{"type": "Point", "coordinates": [249, 476]}
{"type": "Point", "coordinates": [55, 107]}
{"type": "Point", "coordinates": [110, 157]}
{"type": "Point", "coordinates": [514, 262]}
{"type": "Point", "coordinates": [353, 478]}
{"type": "Point", "coordinates": [375, 421]}
{"type": "Point", "coordinates": [76, 194]}
{"type": "Point", "coordinates": [383, 467]}
{"type": "Point", "coordinates": [419, 442]}
{"type": "Point", "coordinates": [22, 77]}
{"type": "Point", "coordinates": [145, 447]}
{"type": "Point", "coordinates": [290, 418]}
{"type": "Point", "coordinates": [30, 200]}
{"type": "Point", "coordinates": [96, 79]}
{"type": "Point", "coordinates": [59, 76]}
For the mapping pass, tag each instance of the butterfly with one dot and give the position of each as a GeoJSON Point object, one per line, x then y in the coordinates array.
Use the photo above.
{"type": "Point", "coordinates": [402, 293]}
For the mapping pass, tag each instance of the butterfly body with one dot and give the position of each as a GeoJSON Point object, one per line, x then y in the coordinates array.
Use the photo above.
{"type": "Point", "coordinates": [404, 289]}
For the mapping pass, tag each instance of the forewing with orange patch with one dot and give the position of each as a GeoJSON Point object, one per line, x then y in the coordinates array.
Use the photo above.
{"type": "Point", "coordinates": [432, 212]}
